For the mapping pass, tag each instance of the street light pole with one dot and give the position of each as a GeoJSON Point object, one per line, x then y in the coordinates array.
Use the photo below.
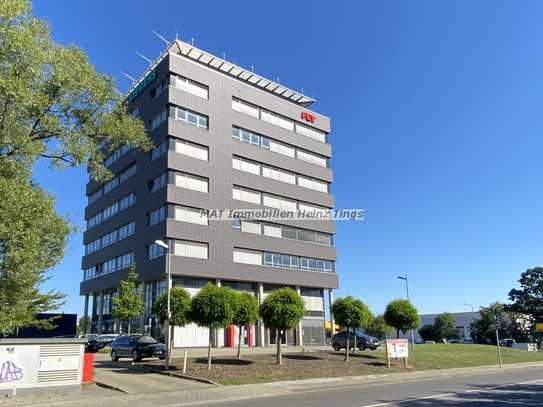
{"type": "Point", "coordinates": [166, 246]}
{"type": "Point", "coordinates": [472, 314]}
{"type": "Point", "coordinates": [404, 277]}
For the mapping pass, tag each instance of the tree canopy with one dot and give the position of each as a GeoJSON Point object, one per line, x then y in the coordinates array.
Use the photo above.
{"type": "Point", "coordinates": [53, 103]}
{"type": "Point", "coordinates": [32, 240]}
{"type": "Point", "coordinates": [445, 327]}
{"type": "Point", "coordinates": [402, 315]}
{"type": "Point", "coordinates": [528, 299]}
{"type": "Point", "coordinates": [495, 316]}
{"type": "Point", "coordinates": [379, 328]}
{"type": "Point", "coordinates": [213, 308]}
{"type": "Point", "coordinates": [282, 310]}
{"type": "Point", "coordinates": [245, 314]}
{"type": "Point", "coordinates": [180, 306]}
{"type": "Point", "coordinates": [128, 304]}
{"type": "Point", "coordinates": [53, 106]}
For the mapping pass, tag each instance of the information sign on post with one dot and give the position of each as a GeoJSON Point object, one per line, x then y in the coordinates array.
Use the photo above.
{"type": "Point", "coordinates": [397, 349]}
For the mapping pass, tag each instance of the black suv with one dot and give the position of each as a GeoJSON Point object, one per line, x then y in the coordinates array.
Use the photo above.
{"type": "Point", "coordinates": [137, 347]}
{"type": "Point", "coordinates": [363, 341]}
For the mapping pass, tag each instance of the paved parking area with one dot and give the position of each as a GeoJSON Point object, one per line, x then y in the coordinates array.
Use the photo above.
{"type": "Point", "coordinates": [132, 379]}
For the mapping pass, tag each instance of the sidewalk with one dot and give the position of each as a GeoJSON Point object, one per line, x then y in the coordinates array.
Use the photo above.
{"type": "Point", "coordinates": [243, 392]}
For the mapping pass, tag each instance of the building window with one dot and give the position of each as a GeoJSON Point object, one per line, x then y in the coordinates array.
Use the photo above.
{"type": "Point", "coordinates": [249, 137]}
{"type": "Point", "coordinates": [312, 183]}
{"type": "Point", "coordinates": [190, 215]}
{"type": "Point", "coordinates": [109, 266]}
{"type": "Point", "coordinates": [190, 117]}
{"type": "Point", "coordinates": [158, 183]}
{"type": "Point", "coordinates": [277, 120]}
{"type": "Point", "coordinates": [193, 182]}
{"type": "Point", "coordinates": [155, 92]}
{"type": "Point", "coordinates": [192, 150]}
{"type": "Point", "coordinates": [282, 231]}
{"type": "Point", "coordinates": [244, 107]}
{"type": "Point", "coordinates": [113, 183]}
{"type": "Point", "coordinates": [116, 155]}
{"type": "Point", "coordinates": [154, 251]}
{"type": "Point", "coordinates": [185, 248]}
{"type": "Point", "coordinates": [245, 256]}
{"type": "Point", "coordinates": [190, 86]}
{"type": "Point", "coordinates": [159, 119]}
{"type": "Point", "coordinates": [156, 216]}
{"type": "Point", "coordinates": [246, 195]}
{"type": "Point", "coordinates": [159, 150]}
{"type": "Point", "coordinates": [245, 165]}
{"type": "Point", "coordinates": [110, 238]}
{"type": "Point", "coordinates": [111, 210]}
{"type": "Point", "coordinates": [279, 202]}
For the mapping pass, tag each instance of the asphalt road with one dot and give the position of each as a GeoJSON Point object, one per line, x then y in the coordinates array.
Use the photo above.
{"type": "Point", "coordinates": [519, 388]}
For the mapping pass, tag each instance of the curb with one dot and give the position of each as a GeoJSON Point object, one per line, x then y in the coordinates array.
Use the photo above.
{"type": "Point", "coordinates": [110, 387]}
{"type": "Point", "coordinates": [185, 376]}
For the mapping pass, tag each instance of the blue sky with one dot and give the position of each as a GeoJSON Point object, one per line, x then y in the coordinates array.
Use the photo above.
{"type": "Point", "coordinates": [436, 127]}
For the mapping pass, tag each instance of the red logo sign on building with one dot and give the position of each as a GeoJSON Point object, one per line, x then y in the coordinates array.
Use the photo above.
{"type": "Point", "coordinates": [308, 117]}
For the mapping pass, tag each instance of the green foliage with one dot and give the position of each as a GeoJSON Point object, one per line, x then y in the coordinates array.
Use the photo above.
{"type": "Point", "coordinates": [282, 309]}
{"type": "Point", "coordinates": [246, 309]}
{"type": "Point", "coordinates": [32, 240]}
{"type": "Point", "coordinates": [351, 313]}
{"type": "Point", "coordinates": [213, 307]}
{"type": "Point", "coordinates": [129, 303]}
{"type": "Point", "coordinates": [84, 325]}
{"type": "Point", "coordinates": [483, 330]}
{"type": "Point", "coordinates": [445, 327]}
{"type": "Point", "coordinates": [528, 300]}
{"type": "Point", "coordinates": [427, 332]}
{"type": "Point", "coordinates": [379, 328]}
{"type": "Point", "coordinates": [53, 103]}
{"type": "Point", "coordinates": [402, 315]}
{"type": "Point", "coordinates": [180, 306]}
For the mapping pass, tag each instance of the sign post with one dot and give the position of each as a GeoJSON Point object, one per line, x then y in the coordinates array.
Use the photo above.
{"type": "Point", "coordinates": [397, 349]}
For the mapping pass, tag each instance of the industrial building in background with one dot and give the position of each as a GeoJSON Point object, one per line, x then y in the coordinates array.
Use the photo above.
{"type": "Point", "coordinates": [225, 137]}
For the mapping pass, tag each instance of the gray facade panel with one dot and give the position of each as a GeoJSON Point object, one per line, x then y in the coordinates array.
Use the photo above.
{"type": "Point", "coordinates": [219, 235]}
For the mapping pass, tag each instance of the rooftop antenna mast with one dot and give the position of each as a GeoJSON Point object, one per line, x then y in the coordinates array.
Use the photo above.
{"type": "Point", "coordinates": [129, 77]}
{"type": "Point", "coordinates": [161, 37]}
{"type": "Point", "coordinates": [144, 57]}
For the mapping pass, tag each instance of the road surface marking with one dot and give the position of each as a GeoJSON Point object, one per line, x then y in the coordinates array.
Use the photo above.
{"type": "Point", "coordinates": [437, 396]}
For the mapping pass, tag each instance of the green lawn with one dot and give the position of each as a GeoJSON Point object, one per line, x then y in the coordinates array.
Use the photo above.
{"type": "Point", "coordinates": [262, 368]}
{"type": "Point", "coordinates": [444, 356]}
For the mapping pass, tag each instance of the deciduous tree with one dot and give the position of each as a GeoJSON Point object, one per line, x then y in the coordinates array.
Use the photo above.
{"type": "Point", "coordinates": [128, 304]}
{"type": "Point", "coordinates": [351, 313]}
{"type": "Point", "coordinates": [379, 328]}
{"type": "Point", "coordinates": [246, 314]}
{"type": "Point", "coordinates": [213, 308]}
{"type": "Point", "coordinates": [282, 310]}
{"type": "Point", "coordinates": [402, 315]}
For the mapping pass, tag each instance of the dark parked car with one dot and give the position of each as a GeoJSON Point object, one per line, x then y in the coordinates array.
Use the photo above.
{"type": "Point", "coordinates": [363, 341]}
{"type": "Point", "coordinates": [137, 347]}
{"type": "Point", "coordinates": [97, 342]}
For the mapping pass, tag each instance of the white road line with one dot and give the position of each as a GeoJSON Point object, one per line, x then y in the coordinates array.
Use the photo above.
{"type": "Point", "coordinates": [437, 396]}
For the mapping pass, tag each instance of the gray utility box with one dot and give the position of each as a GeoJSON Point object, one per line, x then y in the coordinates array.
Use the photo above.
{"type": "Point", "coordinates": [27, 363]}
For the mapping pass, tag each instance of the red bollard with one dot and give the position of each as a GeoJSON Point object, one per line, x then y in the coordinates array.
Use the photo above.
{"type": "Point", "coordinates": [88, 368]}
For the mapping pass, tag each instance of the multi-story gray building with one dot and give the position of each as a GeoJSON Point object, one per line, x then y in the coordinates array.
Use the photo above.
{"type": "Point", "coordinates": [225, 137]}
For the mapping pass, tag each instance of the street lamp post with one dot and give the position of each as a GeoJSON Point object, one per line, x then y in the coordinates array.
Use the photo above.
{"type": "Point", "coordinates": [166, 246]}
{"type": "Point", "coordinates": [404, 277]}
{"type": "Point", "coordinates": [472, 314]}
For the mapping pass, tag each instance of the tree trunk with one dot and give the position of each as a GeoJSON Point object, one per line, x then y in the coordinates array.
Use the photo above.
{"type": "Point", "coordinates": [354, 347]}
{"type": "Point", "coordinates": [170, 343]}
{"type": "Point", "coordinates": [128, 329]}
{"type": "Point", "coordinates": [279, 360]}
{"type": "Point", "coordinates": [239, 342]}
{"type": "Point", "coordinates": [347, 347]}
{"type": "Point", "coordinates": [209, 350]}
{"type": "Point", "coordinates": [397, 334]}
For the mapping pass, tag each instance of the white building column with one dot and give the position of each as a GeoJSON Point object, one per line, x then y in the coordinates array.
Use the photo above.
{"type": "Point", "coordinates": [330, 302]}
{"type": "Point", "coordinates": [217, 331]}
{"type": "Point", "coordinates": [262, 331]}
{"type": "Point", "coordinates": [86, 315]}
{"type": "Point", "coordinates": [100, 311]}
{"type": "Point", "coordinates": [299, 330]}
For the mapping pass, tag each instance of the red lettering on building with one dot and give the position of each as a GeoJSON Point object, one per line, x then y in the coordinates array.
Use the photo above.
{"type": "Point", "coordinates": [308, 117]}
